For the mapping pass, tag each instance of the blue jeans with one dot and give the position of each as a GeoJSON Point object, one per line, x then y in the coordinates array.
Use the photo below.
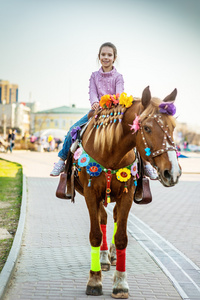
{"type": "Point", "coordinates": [10, 147]}
{"type": "Point", "coordinates": [68, 139]}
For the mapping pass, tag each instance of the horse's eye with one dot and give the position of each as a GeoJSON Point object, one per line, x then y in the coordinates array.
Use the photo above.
{"type": "Point", "coordinates": [147, 129]}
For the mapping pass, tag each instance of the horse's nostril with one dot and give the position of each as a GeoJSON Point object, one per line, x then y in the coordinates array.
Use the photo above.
{"type": "Point", "coordinates": [167, 174]}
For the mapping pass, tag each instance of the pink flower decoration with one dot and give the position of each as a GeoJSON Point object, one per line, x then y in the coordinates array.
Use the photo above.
{"type": "Point", "coordinates": [136, 124]}
{"type": "Point", "coordinates": [78, 153]}
{"type": "Point", "coordinates": [134, 169]}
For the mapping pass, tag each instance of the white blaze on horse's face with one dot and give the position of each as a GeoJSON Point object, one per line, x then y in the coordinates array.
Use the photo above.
{"type": "Point", "coordinates": [175, 170]}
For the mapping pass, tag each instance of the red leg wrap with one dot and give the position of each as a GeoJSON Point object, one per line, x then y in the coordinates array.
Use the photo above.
{"type": "Point", "coordinates": [104, 245]}
{"type": "Point", "coordinates": [121, 260]}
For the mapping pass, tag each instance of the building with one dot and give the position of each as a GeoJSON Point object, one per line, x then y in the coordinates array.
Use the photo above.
{"type": "Point", "coordinates": [57, 118]}
{"type": "Point", "coordinates": [8, 92]}
{"type": "Point", "coordinates": [15, 115]}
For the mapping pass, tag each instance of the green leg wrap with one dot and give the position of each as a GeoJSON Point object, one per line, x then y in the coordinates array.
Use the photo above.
{"type": "Point", "coordinates": [115, 229]}
{"type": "Point", "coordinates": [95, 259]}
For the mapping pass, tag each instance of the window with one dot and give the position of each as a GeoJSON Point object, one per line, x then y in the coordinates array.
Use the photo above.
{"type": "Point", "coordinates": [47, 122]}
{"type": "Point", "coordinates": [39, 121]}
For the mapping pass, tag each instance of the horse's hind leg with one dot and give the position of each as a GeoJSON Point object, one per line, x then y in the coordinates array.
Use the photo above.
{"type": "Point", "coordinates": [104, 253]}
{"type": "Point", "coordinates": [94, 284]}
{"type": "Point", "coordinates": [120, 284]}
{"type": "Point", "coordinates": [112, 249]}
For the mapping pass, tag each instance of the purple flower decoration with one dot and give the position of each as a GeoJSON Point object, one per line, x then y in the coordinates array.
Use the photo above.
{"type": "Point", "coordinates": [74, 133]}
{"type": "Point", "coordinates": [167, 108]}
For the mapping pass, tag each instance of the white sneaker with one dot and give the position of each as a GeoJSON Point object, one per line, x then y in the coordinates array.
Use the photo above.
{"type": "Point", "coordinates": [150, 172]}
{"type": "Point", "coordinates": [59, 167]}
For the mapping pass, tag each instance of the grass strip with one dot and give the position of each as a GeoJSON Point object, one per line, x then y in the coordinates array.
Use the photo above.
{"type": "Point", "coordinates": [10, 202]}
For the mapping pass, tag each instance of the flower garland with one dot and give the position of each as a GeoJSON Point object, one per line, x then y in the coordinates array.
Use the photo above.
{"type": "Point", "coordinates": [94, 169]}
{"type": "Point", "coordinates": [109, 101]}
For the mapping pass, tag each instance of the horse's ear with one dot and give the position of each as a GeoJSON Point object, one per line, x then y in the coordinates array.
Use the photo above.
{"type": "Point", "coordinates": [146, 97]}
{"type": "Point", "coordinates": [171, 97]}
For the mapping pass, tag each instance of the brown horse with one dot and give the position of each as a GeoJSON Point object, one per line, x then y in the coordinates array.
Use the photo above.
{"type": "Point", "coordinates": [108, 142]}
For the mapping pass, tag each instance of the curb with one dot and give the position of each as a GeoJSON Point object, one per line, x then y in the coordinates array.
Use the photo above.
{"type": "Point", "coordinates": [8, 268]}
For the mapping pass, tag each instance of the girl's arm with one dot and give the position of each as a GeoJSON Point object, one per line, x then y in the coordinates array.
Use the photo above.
{"type": "Point", "coordinates": [94, 100]}
{"type": "Point", "coordinates": [119, 84]}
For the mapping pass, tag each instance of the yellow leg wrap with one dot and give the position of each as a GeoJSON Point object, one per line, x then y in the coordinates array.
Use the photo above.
{"type": "Point", "coordinates": [95, 259]}
{"type": "Point", "coordinates": [115, 229]}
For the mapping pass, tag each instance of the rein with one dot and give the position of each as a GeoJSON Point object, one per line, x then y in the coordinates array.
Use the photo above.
{"type": "Point", "coordinates": [165, 148]}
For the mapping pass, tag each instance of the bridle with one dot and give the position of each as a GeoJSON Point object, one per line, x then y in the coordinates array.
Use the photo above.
{"type": "Point", "coordinates": [166, 138]}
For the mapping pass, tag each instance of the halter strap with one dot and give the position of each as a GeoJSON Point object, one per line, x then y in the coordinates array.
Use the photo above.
{"type": "Point", "coordinates": [165, 148]}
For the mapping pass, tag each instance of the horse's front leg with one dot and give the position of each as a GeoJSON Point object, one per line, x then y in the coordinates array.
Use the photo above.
{"type": "Point", "coordinates": [94, 284]}
{"type": "Point", "coordinates": [120, 285]}
{"type": "Point", "coordinates": [104, 253]}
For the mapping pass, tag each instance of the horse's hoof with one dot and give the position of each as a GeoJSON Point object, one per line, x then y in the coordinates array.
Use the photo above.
{"type": "Point", "coordinates": [104, 260]}
{"type": "Point", "coordinates": [105, 267]}
{"type": "Point", "coordinates": [120, 285]}
{"type": "Point", "coordinates": [113, 261]}
{"type": "Point", "coordinates": [94, 285]}
{"type": "Point", "coordinates": [94, 290]}
{"type": "Point", "coordinates": [120, 294]}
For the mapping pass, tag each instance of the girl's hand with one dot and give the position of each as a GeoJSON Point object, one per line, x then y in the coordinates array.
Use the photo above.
{"type": "Point", "coordinates": [95, 106]}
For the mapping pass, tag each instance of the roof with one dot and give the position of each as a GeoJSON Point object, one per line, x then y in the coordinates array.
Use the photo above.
{"type": "Point", "coordinates": [64, 110]}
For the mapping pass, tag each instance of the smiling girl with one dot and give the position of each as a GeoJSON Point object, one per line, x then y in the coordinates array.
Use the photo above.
{"type": "Point", "coordinates": [104, 81]}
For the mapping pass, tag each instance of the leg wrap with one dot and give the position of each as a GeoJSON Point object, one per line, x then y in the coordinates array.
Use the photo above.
{"type": "Point", "coordinates": [95, 259]}
{"type": "Point", "coordinates": [104, 245]}
{"type": "Point", "coordinates": [121, 260]}
{"type": "Point", "coordinates": [114, 231]}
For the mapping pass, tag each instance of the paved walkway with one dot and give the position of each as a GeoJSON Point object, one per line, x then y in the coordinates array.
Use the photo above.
{"type": "Point", "coordinates": [54, 261]}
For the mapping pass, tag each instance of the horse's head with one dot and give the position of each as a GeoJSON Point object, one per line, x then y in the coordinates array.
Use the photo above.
{"type": "Point", "coordinates": [155, 137]}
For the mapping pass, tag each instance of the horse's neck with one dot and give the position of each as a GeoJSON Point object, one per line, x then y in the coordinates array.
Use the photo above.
{"type": "Point", "coordinates": [119, 153]}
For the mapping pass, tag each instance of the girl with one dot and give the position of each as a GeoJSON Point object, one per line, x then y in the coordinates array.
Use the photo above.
{"type": "Point", "coordinates": [105, 81]}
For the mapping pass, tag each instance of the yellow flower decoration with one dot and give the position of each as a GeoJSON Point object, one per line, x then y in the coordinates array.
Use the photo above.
{"type": "Point", "coordinates": [126, 101]}
{"type": "Point", "coordinates": [123, 174]}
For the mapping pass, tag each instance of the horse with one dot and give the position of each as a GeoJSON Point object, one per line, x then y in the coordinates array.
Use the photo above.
{"type": "Point", "coordinates": [106, 171]}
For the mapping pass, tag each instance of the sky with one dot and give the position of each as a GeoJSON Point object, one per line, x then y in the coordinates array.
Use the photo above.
{"type": "Point", "coordinates": [50, 48]}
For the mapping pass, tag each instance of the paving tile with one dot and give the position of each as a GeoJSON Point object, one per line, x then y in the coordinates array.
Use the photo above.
{"type": "Point", "coordinates": [55, 257]}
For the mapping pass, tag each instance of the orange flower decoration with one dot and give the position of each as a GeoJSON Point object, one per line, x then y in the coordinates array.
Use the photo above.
{"type": "Point", "coordinates": [104, 101]}
{"type": "Point", "coordinates": [108, 100]}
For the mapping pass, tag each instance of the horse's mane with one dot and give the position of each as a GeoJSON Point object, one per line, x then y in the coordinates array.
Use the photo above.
{"type": "Point", "coordinates": [107, 127]}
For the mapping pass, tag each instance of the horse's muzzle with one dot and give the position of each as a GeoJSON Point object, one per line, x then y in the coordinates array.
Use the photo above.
{"type": "Point", "coordinates": [169, 178]}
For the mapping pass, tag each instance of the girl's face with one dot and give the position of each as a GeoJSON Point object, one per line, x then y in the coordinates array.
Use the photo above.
{"type": "Point", "coordinates": [107, 58]}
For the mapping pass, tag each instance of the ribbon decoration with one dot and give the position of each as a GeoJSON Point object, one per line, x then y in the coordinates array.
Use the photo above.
{"type": "Point", "coordinates": [148, 151]}
{"type": "Point", "coordinates": [74, 133]}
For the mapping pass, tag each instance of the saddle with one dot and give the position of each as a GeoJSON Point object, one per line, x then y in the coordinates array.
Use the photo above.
{"type": "Point", "coordinates": [64, 181]}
